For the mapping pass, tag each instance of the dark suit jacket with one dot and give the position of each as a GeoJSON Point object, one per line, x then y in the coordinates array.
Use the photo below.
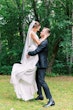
{"type": "Point", "coordinates": [42, 51]}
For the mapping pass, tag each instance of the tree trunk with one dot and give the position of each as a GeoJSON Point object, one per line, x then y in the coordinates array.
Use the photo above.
{"type": "Point", "coordinates": [0, 45]}
{"type": "Point", "coordinates": [72, 38]}
{"type": "Point", "coordinates": [20, 29]}
{"type": "Point", "coordinates": [35, 10]}
{"type": "Point", "coordinates": [0, 42]}
{"type": "Point", "coordinates": [23, 22]}
{"type": "Point", "coordinates": [20, 26]}
{"type": "Point", "coordinates": [71, 57]}
{"type": "Point", "coordinates": [55, 50]}
{"type": "Point", "coordinates": [47, 6]}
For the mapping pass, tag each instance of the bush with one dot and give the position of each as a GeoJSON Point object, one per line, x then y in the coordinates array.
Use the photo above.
{"type": "Point", "coordinates": [5, 70]}
{"type": "Point", "coordinates": [60, 68]}
{"type": "Point", "coordinates": [52, 74]}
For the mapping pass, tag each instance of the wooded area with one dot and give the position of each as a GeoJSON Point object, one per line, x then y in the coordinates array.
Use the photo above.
{"type": "Point", "coordinates": [15, 17]}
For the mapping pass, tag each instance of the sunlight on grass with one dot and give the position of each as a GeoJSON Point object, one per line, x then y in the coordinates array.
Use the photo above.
{"type": "Point", "coordinates": [61, 89]}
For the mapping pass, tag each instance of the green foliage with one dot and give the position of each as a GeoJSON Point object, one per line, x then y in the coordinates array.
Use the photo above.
{"type": "Point", "coordinates": [56, 14]}
{"type": "Point", "coordinates": [52, 74]}
{"type": "Point", "coordinates": [5, 70]}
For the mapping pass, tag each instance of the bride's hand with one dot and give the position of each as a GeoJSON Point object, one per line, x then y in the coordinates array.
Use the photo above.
{"type": "Point", "coordinates": [27, 56]}
{"type": "Point", "coordinates": [42, 39]}
{"type": "Point", "coordinates": [45, 37]}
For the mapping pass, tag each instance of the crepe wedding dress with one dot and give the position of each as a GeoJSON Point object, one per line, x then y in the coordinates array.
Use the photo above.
{"type": "Point", "coordinates": [23, 75]}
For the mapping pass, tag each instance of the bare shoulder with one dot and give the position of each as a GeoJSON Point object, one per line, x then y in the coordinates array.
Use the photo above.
{"type": "Point", "coordinates": [32, 33]}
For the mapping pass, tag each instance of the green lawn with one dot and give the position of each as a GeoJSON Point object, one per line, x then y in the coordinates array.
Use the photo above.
{"type": "Point", "coordinates": [61, 89]}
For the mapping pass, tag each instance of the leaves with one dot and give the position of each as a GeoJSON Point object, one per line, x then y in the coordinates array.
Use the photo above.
{"type": "Point", "coordinates": [15, 17]}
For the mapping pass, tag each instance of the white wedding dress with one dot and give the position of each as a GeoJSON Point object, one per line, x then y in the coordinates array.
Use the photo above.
{"type": "Point", "coordinates": [23, 75]}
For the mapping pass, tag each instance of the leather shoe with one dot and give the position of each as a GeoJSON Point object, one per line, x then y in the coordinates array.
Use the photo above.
{"type": "Point", "coordinates": [50, 103]}
{"type": "Point", "coordinates": [39, 98]}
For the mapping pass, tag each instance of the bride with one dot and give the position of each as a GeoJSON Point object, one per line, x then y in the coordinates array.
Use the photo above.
{"type": "Point", "coordinates": [23, 75]}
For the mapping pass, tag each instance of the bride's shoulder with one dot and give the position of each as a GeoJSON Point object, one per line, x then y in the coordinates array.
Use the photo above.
{"type": "Point", "coordinates": [32, 33]}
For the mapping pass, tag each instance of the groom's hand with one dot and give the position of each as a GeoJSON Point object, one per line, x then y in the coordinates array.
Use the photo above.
{"type": "Point", "coordinates": [27, 56]}
{"type": "Point", "coordinates": [31, 53]}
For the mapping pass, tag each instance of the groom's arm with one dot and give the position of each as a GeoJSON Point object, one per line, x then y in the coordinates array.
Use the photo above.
{"type": "Point", "coordinates": [39, 49]}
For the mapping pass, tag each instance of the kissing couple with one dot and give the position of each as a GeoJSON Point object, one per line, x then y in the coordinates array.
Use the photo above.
{"type": "Point", "coordinates": [28, 77]}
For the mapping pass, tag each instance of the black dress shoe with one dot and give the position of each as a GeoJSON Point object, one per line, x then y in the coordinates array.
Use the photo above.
{"type": "Point", "coordinates": [50, 103]}
{"type": "Point", "coordinates": [39, 98]}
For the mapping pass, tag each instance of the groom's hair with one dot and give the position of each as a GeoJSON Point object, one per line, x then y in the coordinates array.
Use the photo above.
{"type": "Point", "coordinates": [47, 30]}
{"type": "Point", "coordinates": [36, 24]}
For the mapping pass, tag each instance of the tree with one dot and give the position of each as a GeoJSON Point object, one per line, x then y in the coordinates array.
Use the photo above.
{"type": "Point", "coordinates": [55, 14]}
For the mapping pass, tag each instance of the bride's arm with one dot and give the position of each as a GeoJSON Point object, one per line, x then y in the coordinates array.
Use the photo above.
{"type": "Point", "coordinates": [38, 41]}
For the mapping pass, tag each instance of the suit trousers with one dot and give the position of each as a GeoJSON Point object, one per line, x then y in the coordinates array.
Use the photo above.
{"type": "Point", "coordinates": [40, 80]}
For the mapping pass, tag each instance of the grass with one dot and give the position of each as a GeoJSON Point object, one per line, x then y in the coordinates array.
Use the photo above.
{"type": "Point", "coordinates": [61, 89]}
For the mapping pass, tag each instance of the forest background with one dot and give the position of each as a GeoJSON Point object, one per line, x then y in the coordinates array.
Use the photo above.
{"type": "Point", "coordinates": [15, 17]}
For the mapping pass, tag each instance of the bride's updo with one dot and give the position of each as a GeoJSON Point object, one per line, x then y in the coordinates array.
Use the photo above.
{"type": "Point", "coordinates": [36, 25]}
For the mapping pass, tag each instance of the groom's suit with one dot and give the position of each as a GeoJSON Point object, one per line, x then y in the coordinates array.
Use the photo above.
{"type": "Point", "coordinates": [42, 51]}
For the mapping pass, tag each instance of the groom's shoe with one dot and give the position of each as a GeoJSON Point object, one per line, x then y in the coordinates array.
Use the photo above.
{"type": "Point", "coordinates": [39, 98]}
{"type": "Point", "coordinates": [50, 103]}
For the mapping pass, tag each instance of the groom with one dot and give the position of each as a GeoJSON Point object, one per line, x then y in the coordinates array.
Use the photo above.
{"type": "Point", "coordinates": [42, 51]}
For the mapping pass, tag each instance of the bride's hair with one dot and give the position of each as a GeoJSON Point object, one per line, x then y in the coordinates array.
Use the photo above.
{"type": "Point", "coordinates": [36, 25]}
